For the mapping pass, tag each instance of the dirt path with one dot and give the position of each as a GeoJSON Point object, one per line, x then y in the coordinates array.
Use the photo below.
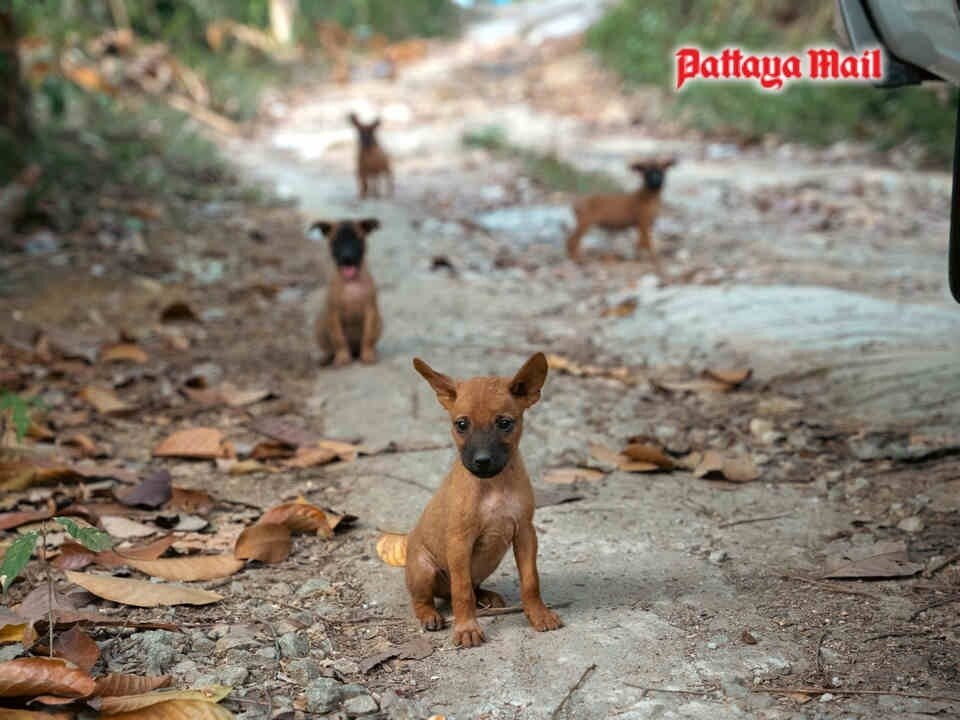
{"type": "Point", "coordinates": [795, 262]}
{"type": "Point", "coordinates": [823, 271]}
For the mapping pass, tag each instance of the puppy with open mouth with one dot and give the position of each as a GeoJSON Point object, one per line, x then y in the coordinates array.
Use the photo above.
{"type": "Point", "coordinates": [349, 325]}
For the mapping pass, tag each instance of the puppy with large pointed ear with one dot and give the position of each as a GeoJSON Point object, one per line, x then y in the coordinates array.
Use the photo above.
{"type": "Point", "coordinates": [350, 325]}
{"type": "Point", "coordinates": [373, 164]}
{"type": "Point", "coordinates": [484, 505]}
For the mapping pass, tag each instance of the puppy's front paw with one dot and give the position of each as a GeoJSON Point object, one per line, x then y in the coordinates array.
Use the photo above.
{"type": "Point", "coordinates": [467, 634]}
{"type": "Point", "coordinates": [368, 356]}
{"type": "Point", "coordinates": [341, 359]}
{"type": "Point", "coordinates": [430, 620]}
{"type": "Point", "coordinates": [543, 618]}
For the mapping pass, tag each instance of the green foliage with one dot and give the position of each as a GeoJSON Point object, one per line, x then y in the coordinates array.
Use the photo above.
{"type": "Point", "coordinates": [19, 408]}
{"type": "Point", "coordinates": [548, 169]}
{"type": "Point", "coordinates": [396, 20]}
{"type": "Point", "coordinates": [637, 39]}
{"type": "Point", "coordinates": [16, 558]}
{"type": "Point", "coordinates": [89, 537]}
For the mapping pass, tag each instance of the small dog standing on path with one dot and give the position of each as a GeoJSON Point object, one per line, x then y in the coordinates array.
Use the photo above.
{"type": "Point", "coordinates": [349, 325]}
{"type": "Point", "coordinates": [373, 165]}
{"type": "Point", "coordinates": [620, 211]}
{"type": "Point", "coordinates": [484, 506]}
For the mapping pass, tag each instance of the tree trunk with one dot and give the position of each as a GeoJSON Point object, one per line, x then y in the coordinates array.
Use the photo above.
{"type": "Point", "coordinates": [282, 15]}
{"type": "Point", "coordinates": [14, 100]}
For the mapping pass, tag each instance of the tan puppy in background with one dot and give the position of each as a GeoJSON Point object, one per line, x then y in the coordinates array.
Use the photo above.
{"type": "Point", "coordinates": [373, 165]}
{"type": "Point", "coordinates": [349, 324]}
{"type": "Point", "coordinates": [621, 211]}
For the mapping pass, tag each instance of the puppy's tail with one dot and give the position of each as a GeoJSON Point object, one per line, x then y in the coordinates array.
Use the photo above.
{"type": "Point", "coordinates": [392, 549]}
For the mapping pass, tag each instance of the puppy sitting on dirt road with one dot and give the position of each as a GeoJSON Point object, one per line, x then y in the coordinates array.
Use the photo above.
{"type": "Point", "coordinates": [373, 165]}
{"type": "Point", "coordinates": [620, 211]}
{"type": "Point", "coordinates": [484, 505]}
{"type": "Point", "coordinates": [349, 325]}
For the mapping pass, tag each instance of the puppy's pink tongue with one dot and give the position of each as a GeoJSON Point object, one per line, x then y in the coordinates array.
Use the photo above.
{"type": "Point", "coordinates": [349, 272]}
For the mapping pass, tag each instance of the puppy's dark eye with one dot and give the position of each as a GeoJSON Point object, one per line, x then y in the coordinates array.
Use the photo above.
{"type": "Point", "coordinates": [461, 424]}
{"type": "Point", "coordinates": [504, 423]}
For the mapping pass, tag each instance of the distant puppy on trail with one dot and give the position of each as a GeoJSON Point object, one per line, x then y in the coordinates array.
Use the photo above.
{"type": "Point", "coordinates": [373, 165]}
{"type": "Point", "coordinates": [349, 325]}
{"type": "Point", "coordinates": [484, 506]}
{"type": "Point", "coordinates": [621, 211]}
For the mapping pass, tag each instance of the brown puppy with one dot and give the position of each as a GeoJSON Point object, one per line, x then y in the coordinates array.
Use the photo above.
{"type": "Point", "coordinates": [620, 211]}
{"type": "Point", "coordinates": [349, 325]}
{"type": "Point", "coordinates": [484, 505]}
{"type": "Point", "coordinates": [372, 162]}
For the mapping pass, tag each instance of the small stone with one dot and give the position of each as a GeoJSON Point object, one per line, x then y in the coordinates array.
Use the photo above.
{"type": "Point", "coordinates": [345, 666]}
{"type": "Point", "coordinates": [294, 645]}
{"type": "Point", "coordinates": [711, 645]}
{"type": "Point", "coordinates": [267, 652]}
{"type": "Point", "coordinates": [718, 556]}
{"type": "Point", "coordinates": [303, 670]}
{"type": "Point", "coordinates": [826, 697]}
{"type": "Point", "coordinates": [201, 645]}
{"type": "Point", "coordinates": [232, 675]}
{"type": "Point", "coordinates": [322, 695]}
{"type": "Point", "coordinates": [760, 427]}
{"type": "Point", "coordinates": [185, 670]}
{"type": "Point", "coordinates": [361, 705]}
{"type": "Point", "coordinates": [911, 524]}
{"type": "Point", "coordinates": [313, 586]}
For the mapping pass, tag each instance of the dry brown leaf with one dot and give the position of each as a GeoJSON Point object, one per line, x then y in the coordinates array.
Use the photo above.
{"type": "Point", "coordinates": [270, 449]}
{"type": "Point", "coordinates": [608, 458]}
{"type": "Point", "coordinates": [148, 551]}
{"type": "Point", "coordinates": [621, 309]}
{"type": "Point", "coordinates": [344, 450]}
{"type": "Point", "coordinates": [730, 376]}
{"type": "Point", "coordinates": [879, 560]}
{"type": "Point", "coordinates": [84, 444]}
{"type": "Point", "coordinates": [77, 647]}
{"type": "Point", "coordinates": [12, 520]}
{"type": "Point", "coordinates": [267, 542]}
{"type": "Point", "coordinates": [117, 704]}
{"type": "Point", "coordinates": [123, 352]}
{"type": "Point", "coordinates": [119, 684]}
{"type": "Point", "coordinates": [140, 593]}
{"type": "Point", "coordinates": [197, 443]}
{"type": "Point", "coordinates": [21, 473]}
{"type": "Point", "coordinates": [39, 431]}
{"type": "Point", "coordinates": [306, 457]}
{"type": "Point", "coordinates": [299, 517]}
{"type": "Point", "coordinates": [189, 500]}
{"type": "Point", "coordinates": [234, 397]}
{"type": "Point", "coordinates": [561, 364]}
{"type": "Point", "coordinates": [176, 710]}
{"type": "Point", "coordinates": [190, 568]}
{"type": "Point", "coordinates": [647, 453]}
{"type": "Point", "coordinates": [28, 677]}
{"type": "Point", "coordinates": [740, 469]}
{"type": "Point", "coordinates": [392, 549]}
{"type": "Point", "coordinates": [276, 428]}
{"type": "Point", "coordinates": [416, 649]}
{"type": "Point", "coordinates": [120, 527]}
{"type": "Point", "coordinates": [10, 714]}
{"type": "Point", "coordinates": [152, 492]}
{"type": "Point", "coordinates": [104, 401]}
{"type": "Point", "coordinates": [569, 475]}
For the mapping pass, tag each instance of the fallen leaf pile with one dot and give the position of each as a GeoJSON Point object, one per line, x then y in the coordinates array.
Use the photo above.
{"type": "Point", "coordinates": [564, 365]}
{"type": "Point", "coordinates": [58, 468]}
{"type": "Point", "coordinates": [65, 682]}
{"type": "Point", "coordinates": [710, 381]}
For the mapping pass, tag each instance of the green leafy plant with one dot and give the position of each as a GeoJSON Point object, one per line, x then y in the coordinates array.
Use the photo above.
{"type": "Point", "coordinates": [22, 549]}
{"type": "Point", "coordinates": [19, 409]}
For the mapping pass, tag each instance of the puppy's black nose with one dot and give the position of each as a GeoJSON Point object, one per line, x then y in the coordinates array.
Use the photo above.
{"type": "Point", "coordinates": [482, 460]}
